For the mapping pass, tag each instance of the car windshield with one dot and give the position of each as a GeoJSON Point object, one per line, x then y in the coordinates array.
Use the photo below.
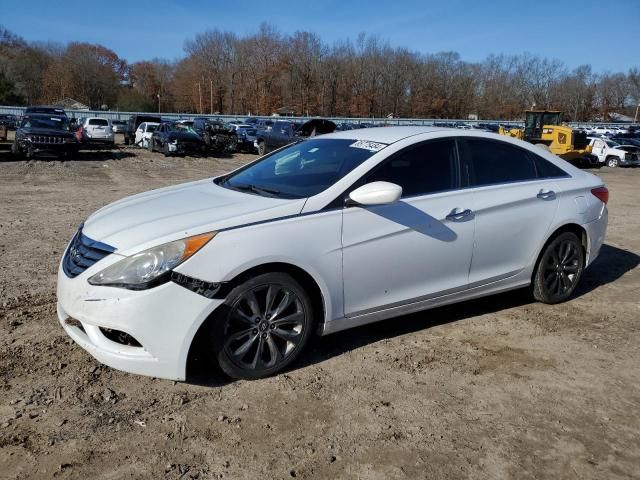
{"type": "Point", "coordinates": [151, 128]}
{"type": "Point", "coordinates": [302, 169]}
{"type": "Point", "coordinates": [612, 144]}
{"type": "Point", "coordinates": [180, 127]}
{"type": "Point", "coordinates": [54, 123]}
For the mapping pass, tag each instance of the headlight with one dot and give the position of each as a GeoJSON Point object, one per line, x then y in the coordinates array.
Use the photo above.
{"type": "Point", "coordinates": [174, 142]}
{"type": "Point", "coordinates": [150, 267]}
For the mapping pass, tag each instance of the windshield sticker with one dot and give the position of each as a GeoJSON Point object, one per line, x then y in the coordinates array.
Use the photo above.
{"type": "Point", "coordinates": [368, 145]}
{"type": "Point", "coordinates": [56, 119]}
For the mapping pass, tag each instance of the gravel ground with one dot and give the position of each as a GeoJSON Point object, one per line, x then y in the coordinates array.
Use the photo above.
{"type": "Point", "coordinates": [495, 388]}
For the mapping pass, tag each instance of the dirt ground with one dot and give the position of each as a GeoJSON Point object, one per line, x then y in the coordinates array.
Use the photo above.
{"type": "Point", "coordinates": [496, 388]}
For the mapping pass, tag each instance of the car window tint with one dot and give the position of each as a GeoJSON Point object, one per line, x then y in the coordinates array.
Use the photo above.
{"type": "Point", "coordinates": [98, 121]}
{"type": "Point", "coordinates": [547, 169]}
{"type": "Point", "coordinates": [491, 162]}
{"type": "Point", "coordinates": [426, 168]}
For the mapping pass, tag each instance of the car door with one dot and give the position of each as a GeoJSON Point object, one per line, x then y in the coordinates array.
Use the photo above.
{"type": "Point", "coordinates": [416, 248]}
{"type": "Point", "coordinates": [599, 149]}
{"type": "Point", "coordinates": [514, 206]}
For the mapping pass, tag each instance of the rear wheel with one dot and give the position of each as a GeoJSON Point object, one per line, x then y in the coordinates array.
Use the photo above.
{"type": "Point", "coordinates": [263, 326]}
{"type": "Point", "coordinates": [262, 148]}
{"type": "Point", "coordinates": [559, 269]}
{"type": "Point", "coordinates": [612, 162]}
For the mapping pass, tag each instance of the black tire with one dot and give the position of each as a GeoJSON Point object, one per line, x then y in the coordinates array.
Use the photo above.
{"type": "Point", "coordinates": [15, 150]}
{"type": "Point", "coordinates": [151, 145]}
{"type": "Point", "coordinates": [165, 150]}
{"type": "Point", "coordinates": [126, 140]}
{"type": "Point", "coordinates": [558, 269]}
{"type": "Point", "coordinates": [251, 338]}
{"type": "Point", "coordinates": [612, 162]}
{"type": "Point", "coordinates": [262, 148]}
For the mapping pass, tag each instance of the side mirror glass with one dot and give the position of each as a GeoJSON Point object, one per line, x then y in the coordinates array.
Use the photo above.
{"type": "Point", "coordinates": [376, 193]}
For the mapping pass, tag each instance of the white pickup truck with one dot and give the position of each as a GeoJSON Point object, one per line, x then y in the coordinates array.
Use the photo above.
{"type": "Point", "coordinates": [609, 154]}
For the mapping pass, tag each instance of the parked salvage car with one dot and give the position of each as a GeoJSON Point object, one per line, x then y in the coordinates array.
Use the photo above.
{"type": "Point", "coordinates": [608, 152]}
{"type": "Point", "coordinates": [247, 135]}
{"type": "Point", "coordinates": [144, 132]}
{"type": "Point", "coordinates": [119, 126]}
{"type": "Point", "coordinates": [96, 132]}
{"type": "Point", "coordinates": [284, 132]}
{"type": "Point", "coordinates": [170, 138]}
{"type": "Point", "coordinates": [44, 134]}
{"type": "Point", "coordinates": [323, 235]}
{"type": "Point", "coordinates": [133, 124]}
{"type": "Point", "coordinates": [9, 121]}
{"type": "Point", "coordinates": [216, 135]}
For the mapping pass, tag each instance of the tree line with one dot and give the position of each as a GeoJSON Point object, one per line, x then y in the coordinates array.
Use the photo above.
{"type": "Point", "coordinates": [222, 72]}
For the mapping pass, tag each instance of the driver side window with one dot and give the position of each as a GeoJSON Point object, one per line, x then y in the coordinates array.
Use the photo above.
{"type": "Point", "coordinates": [422, 169]}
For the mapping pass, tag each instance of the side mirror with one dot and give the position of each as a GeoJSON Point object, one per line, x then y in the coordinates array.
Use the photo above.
{"type": "Point", "coordinates": [376, 193]}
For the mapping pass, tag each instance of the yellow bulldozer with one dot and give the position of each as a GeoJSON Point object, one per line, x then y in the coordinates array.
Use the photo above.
{"type": "Point", "coordinates": [545, 129]}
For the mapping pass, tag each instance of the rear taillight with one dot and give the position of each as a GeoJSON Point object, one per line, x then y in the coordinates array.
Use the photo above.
{"type": "Point", "coordinates": [602, 193]}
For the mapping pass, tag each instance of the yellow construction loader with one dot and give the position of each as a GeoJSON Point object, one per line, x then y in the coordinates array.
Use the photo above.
{"type": "Point", "coordinates": [545, 129]}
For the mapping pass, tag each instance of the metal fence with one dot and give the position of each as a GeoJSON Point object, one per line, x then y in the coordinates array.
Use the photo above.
{"type": "Point", "coordinates": [114, 115]}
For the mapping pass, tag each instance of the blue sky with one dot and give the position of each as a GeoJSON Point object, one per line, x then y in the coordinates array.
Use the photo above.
{"type": "Point", "coordinates": [603, 34]}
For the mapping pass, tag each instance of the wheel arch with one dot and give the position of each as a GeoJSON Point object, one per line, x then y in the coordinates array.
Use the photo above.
{"type": "Point", "coordinates": [308, 282]}
{"type": "Point", "coordinates": [567, 227]}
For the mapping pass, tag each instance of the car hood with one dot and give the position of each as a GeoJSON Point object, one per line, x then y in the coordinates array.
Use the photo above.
{"type": "Point", "coordinates": [152, 218]}
{"type": "Point", "coordinates": [45, 131]}
{"type": "Point", "coordinates": [184, 136]}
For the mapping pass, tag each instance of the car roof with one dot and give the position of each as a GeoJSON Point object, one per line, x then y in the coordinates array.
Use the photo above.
{"type": "Point", "coordinates": [388, 135]}
{"type": "Point", "coordinates": [44, 115]}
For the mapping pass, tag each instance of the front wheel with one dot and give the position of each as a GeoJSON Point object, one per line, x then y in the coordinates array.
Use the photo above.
{"type": "Point", "coordinates": [263, 326]}
{"type": "Point", "coordinates": [559, 269]}
{"type": "Point", "coordinates": [612, 162]}
{"type": "Point", "coordinates": [262, 148]}
{"type": "Point", "coordinates": [15, 150]}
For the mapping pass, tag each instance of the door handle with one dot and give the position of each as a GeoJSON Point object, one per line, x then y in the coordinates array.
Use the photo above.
{"type": "Point", "coordinates": [546, 194]}
{"type": "Point", "coordinates": [458, 214]}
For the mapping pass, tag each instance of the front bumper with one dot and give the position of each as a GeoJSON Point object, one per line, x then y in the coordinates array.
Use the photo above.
{"type": "Point", "coordinates": [631, 162]}
{"type": "Point", "coordinates": [164, 320]}
{"type": "Point", "coordinates": [185, 147]}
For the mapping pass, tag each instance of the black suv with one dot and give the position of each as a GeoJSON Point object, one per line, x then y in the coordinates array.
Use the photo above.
{"type": "Point", "coordinates": [133, 124]}
{"type": "Point", "coordinates": [44, 134]}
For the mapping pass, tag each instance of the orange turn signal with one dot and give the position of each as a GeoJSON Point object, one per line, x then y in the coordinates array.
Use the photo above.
{"type": "Point", "coordinates": [195, 243]}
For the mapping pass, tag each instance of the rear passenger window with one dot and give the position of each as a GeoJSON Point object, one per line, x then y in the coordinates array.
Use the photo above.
{"type": "Point", "coordinates": [489, 162]}
{"type": "Point", "coordinates": [426, 168]}
{"type": "Point", "coordinates": [547, 169]}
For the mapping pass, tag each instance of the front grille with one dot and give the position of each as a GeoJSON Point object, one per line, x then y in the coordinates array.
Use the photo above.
{"type": "Point", "coordinates": [47, 139]}
{"type": "Point", "coordinates": [82, 253]}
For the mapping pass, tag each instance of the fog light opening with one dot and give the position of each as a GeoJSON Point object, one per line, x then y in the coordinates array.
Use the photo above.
{"type": "Point", "coordinates": [120, 337]}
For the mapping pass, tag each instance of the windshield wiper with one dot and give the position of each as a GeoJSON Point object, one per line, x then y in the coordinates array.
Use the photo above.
{"type": "Point", "coordinates": [254, 188]}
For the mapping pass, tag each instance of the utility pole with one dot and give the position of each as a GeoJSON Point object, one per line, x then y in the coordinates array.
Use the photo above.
{"type": "Point", "coordinates": [211, 97]}
{"type": "Point", "coordinates": [200, 96]}
{"type": "Point", "coordinates": [158, 95]}
{"type": "Point", "coordinates": [635, 119]}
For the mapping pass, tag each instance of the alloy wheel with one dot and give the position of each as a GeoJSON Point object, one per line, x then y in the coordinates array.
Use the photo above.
{"type": "Point", "coordinates": [264, 327]}
{"type": "Point", "coordinates": [561, 268]}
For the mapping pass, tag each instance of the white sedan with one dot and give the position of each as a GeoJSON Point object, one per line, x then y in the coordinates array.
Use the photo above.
{"type": "Point", "coordinates": [144, 132]}
{"type": "Point", "coordinates": [323, 235]}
